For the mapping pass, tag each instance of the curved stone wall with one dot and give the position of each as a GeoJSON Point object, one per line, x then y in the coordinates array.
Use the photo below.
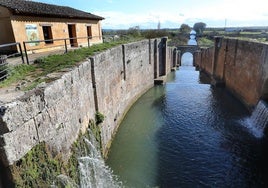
{"type": "Point", "coordinates": [108, 82]}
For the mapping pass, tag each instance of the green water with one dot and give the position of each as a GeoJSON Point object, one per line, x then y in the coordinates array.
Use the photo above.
{"type": "Point", "coordinates": [187, 133]}
{"type": "Point", "coordinates": [126, 154]}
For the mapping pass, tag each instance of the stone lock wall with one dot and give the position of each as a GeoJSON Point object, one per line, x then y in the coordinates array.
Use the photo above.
{"type": "Point", "coordinates": [205, 59]}
{"type": "Point", "coordinates": [241, 65]}
{"type": "Point", "coordinates": [122, 74]}
{"type": "Point", "coordinates": [54, 114]}
{"type": "Point", "coordinates": [108, 82]}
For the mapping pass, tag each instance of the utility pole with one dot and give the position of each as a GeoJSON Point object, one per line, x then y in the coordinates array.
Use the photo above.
{"type": "Point", "coordinates": [159, 25]}
{"type": "Point", "coordinates": [225, 24]}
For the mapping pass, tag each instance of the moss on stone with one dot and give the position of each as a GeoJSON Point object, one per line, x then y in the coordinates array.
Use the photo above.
{"type": "Point", "coordinates": [96, 132]}
{"type": "Point", "coordinates": [40, 168]}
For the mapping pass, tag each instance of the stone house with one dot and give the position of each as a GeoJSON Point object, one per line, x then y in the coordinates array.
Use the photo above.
{"type": "Point", "coordinates": [22, 20]}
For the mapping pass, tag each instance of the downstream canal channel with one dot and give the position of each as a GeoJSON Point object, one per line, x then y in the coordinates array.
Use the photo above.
{"type": "Point", "coordinates": [187, 133]}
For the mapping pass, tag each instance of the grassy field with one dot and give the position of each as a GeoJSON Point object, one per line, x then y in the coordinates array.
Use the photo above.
{"type": "Point", "coordinates": [258, 36]}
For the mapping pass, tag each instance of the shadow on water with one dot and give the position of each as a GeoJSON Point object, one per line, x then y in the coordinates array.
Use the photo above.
{"type": "Point", "coordinates": [203, 141]}
{"type": "Point", "coordinates": [204, 78]}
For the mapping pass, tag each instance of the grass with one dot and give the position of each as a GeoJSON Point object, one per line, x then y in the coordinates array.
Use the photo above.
{"type": "Point", "coordinates": [56, 63]}
{"type": "Point", "coordinates": [205, 42]}
{"type": "Point", "coordinates": [53, 63]}
{"type": "Point", "coordinates": [17, 73]}
{"type": "Point", "coordinates": [262, 40]}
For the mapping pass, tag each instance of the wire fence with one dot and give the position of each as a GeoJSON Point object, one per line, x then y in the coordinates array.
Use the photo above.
{"type": "Point", "coordinates": [13, 50]}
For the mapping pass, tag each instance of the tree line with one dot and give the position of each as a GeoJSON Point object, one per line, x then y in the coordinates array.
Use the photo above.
{"type": "Point", "coordinates": [178, 36]}
{"type": "Point", "coordinates": [198, 27]}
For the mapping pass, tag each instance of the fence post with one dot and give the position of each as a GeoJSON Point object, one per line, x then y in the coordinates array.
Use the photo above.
{"type": "Point", "coordinates": [88, 43]}
{"type": "Point", "coordinates": [3, 59]}
{"type": "Point", "coordinates": [65, 46]}
{"type": "Point", "coordinates": [21, 54]}
{"type": "Point", "coordinates": [26, 55]}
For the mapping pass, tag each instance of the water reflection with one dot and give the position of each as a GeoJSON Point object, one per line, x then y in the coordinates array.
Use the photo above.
{"type": "Point", "coordinates": [133, 155]}
{"type": "Point", "coordinates": [187, 59]}
{"type": "Point", "coordinates": [192, 40]}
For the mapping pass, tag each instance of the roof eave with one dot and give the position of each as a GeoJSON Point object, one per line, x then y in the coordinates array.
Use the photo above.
{"type": "Point", "coordinates": [55, 16]}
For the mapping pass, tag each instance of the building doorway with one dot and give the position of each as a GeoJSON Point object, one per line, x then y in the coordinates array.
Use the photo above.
{"type": "Point", "coordinates": [89, 31]}
{"type": "Point", "coordinates": [72, 35]}
{"type": "Point", "coordinates": [47, 34]}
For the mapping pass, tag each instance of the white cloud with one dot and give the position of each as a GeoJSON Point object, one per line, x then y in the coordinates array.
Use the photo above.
{"type": "Point", "coordinates": [214, 14]}
{"type": "Point", "coordinates": [239, 10]}
{"type": "Point", "coordinates": [149, 19]}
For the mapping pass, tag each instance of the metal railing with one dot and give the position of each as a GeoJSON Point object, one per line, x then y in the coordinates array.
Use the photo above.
{"type": "Point", "coordinates": [7, 57]}
{"type": "Point", "coordinates": [49, 44]}
{"type": "Point", "coordinates": [15, 54]}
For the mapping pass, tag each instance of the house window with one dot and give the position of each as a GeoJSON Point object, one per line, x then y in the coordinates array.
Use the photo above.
{"type": "Point", "coordinates": [89, 31]}
{"type": "Point", "coordinates": [47, 34]}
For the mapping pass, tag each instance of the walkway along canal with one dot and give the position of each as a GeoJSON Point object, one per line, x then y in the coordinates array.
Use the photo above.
{"type": "Point", "coordinates": [188, 133]}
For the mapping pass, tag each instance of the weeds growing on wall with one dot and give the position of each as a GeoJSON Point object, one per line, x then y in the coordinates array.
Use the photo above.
{"type": "Point", "coordinates": [99, 118]}
{"type": "Point", "coordinates": [40, 168]}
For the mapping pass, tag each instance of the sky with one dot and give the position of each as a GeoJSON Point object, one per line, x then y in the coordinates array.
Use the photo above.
{"type": "Point", "coordinates": [123, 14]}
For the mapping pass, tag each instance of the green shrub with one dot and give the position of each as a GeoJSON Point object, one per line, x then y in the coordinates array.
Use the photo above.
{"type": "Point", "coordinates": [99, 118]}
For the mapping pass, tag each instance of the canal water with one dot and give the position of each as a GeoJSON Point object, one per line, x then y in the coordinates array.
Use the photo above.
{"type": "Point", "coordinates": [187, 133]}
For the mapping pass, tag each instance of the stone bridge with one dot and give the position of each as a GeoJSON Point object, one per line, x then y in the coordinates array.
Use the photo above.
{"type": "Point", "coordinates": [188, 48]}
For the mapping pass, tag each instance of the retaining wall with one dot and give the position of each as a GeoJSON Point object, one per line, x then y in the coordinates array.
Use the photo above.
{"type": "Point", "coordinates": [55, 113]}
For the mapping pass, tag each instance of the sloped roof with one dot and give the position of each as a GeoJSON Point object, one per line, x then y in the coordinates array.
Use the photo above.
{"type": "Point", "coordinates": [31, 8]}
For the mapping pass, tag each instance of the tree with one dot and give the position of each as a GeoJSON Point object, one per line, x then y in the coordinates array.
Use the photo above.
{"type": "Point", "coordinates": [134, 31]}
{"type": "Point", "coordinates": [185, 29]}
{"type": "Point", "coordinates": [199, 27]}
